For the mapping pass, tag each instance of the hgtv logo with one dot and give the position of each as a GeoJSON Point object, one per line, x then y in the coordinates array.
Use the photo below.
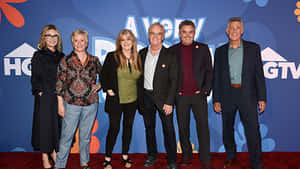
{"type": "Point", "coordinates": [277, 67]}
{"type": "Point", "coordinates": [18, 62]}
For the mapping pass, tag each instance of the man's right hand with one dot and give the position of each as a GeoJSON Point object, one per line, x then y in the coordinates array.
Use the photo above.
{"type": "Point", "coordinates": [217, 107]}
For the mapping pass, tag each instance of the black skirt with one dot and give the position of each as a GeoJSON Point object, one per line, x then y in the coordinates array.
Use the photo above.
{"type": "Point", "coordinates": [46, 124]}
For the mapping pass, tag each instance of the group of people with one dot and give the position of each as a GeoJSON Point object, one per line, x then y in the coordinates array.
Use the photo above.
{"type": "Point", "coordinates": [155, 79]}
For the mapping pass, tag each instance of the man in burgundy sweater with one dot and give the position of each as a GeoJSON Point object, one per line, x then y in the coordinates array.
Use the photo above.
{"type": "Point", "coordinates": [194, 85]}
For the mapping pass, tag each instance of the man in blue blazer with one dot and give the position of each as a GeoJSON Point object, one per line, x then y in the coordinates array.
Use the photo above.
{"type": "Point", "coordinates": [158, 84]}
{"type": "Point", "coordinates": [239, 84]}
{"type": "Point", "coordinates": [193, 87]}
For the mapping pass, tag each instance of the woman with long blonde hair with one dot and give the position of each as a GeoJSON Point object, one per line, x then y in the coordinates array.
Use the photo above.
{"type": "Point", "coordinates": [46, 122]}
{"type": "Point", "coordinates": [120, 74]}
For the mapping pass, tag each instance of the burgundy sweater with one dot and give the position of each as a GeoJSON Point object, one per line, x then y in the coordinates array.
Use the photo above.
{"type": "Point", "coordinates": [189, 85]}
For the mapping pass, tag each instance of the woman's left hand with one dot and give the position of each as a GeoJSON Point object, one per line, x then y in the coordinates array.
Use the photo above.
{"type": "Point", "coordinates": [96, 88]}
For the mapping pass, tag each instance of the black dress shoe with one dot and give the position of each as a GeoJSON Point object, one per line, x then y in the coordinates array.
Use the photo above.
{"type": "Point", "coordinates": [229, 163]}
{"type": "Point", "coordinates": [150, 161]}
{"type": "Point", "coordinates": [86, 167]}
{"type": "Point", "coordinates": [186, 161]}
{"type": "Point", "coordinates": [260, 167]}
{"type": "Point", "coordinates": [206, 165]}
{"type": "Point", "coordinates": [172, 166]}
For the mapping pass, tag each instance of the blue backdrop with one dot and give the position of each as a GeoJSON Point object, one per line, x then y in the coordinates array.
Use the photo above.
{"type": "Point", "coordinates": [273, 24]}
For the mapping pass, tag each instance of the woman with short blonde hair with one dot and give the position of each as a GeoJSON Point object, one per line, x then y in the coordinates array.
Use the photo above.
{"type": "Point", "coordinates": [77, 95]}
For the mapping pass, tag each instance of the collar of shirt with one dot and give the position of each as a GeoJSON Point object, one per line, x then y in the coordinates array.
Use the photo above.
{"type": "Point", "coordinates": [149, 52]}
{"type": "Point", "coordinates": [77, 61]}
{"type": "Point", "coordinates": [240, 46]}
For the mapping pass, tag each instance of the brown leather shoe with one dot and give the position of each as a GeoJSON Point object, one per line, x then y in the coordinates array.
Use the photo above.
{"type": "Point", "coordinates": [229, 163]}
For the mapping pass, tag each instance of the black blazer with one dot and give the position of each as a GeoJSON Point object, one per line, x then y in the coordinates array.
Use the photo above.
{"type": "Point", "coordinates": [165, 78]}
{"type": "Point", "coordinates": [253, 80]}
{"type": "Point", "coordinates": [202, 66]}
{"type": "Point", "coordinates": [109, 80]}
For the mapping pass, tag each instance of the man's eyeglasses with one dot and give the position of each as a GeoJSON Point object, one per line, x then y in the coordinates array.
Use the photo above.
{"type": "Point", "coordinates": [51, 36]}
{"type": "Point", "coordinates": [156, 33]}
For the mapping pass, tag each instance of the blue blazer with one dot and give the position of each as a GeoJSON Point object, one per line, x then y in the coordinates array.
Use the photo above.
{"type": "Point", "coordinates": [253, 80]}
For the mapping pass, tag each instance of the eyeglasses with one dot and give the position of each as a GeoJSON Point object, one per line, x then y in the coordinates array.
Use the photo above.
{"type": "Point", "coordinates": [156, 33]}
{"type": "Point", "coordinates": [51, 36]}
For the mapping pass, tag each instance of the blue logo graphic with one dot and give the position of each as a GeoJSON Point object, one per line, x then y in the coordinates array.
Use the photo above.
{"type": "Point", "coordinates": [268, 144]}
{"type": "Point", "coordinates": [260, 3]}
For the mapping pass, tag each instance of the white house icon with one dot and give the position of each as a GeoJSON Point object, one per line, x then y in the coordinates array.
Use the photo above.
{"type": "Point", "coordinates": [19, 61]}
{"type": "Point", "coordinates": [269, 55]}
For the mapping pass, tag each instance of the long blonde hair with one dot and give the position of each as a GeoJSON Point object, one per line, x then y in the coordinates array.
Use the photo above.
{"type": "Point", "coordinates": [119, 55]}
{"type": "Point", "coordinates": [42, 44]}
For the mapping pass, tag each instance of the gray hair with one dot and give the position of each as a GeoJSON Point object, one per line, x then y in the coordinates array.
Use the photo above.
{"type": "Point", "coordinates": [157, 24]}
{"type": "Point", "coordinates": [235, 19]}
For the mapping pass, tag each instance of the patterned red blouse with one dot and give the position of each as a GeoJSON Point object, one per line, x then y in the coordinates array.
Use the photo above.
{"type": "Point", "coordinates": [75, 80]}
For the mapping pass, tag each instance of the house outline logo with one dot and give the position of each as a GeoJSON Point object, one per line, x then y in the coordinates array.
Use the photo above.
{"type": "Point", "coordinates": [277, 67]}
{"type": "Point", "coordinates": [18, 61]}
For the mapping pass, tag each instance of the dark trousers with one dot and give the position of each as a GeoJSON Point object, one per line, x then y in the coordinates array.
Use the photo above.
{"type": "Point", "coordinates": [114, 127]}
{"type": "Point", "coordinates": [198, 104]}
{"type": "Point", "coordinates": [248, 115]}
{"type": "Point", "coordinates": [168, 129]}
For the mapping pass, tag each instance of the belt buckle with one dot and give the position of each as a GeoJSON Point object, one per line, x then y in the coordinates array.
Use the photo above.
{"type": "Point", "coordinates": [236, 85]}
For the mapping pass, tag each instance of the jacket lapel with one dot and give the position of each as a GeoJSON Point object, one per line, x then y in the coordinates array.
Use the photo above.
{"type": "Point", "coordinates": [159, 62]}
{"type": "Point", "coordinates": [196, 57]}
{"type": "Point", "coordinates": [245, 60]}
{"type": "Point", "coordinates": [143, 57]}
{"type": "Point", "coordinates": [226, 61]}
{"type": "Point", "coordinates": [179, 59]}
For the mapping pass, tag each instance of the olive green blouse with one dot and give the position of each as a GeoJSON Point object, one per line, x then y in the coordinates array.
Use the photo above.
{"type": "Point", "coordinates": [127, 83]}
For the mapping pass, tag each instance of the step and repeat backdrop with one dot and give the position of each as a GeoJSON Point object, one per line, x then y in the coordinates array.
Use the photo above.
{"type": "Point", "coordinates": [274, 24]}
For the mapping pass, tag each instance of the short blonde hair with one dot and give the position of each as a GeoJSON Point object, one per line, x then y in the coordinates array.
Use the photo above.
{"type": "Point", "coordinates": [80, 32]}
{"type": "Point", "coordinates": [42, 43]}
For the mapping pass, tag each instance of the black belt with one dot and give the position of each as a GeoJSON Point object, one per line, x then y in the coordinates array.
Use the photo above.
{"type": "Point", "coordinates": [149, 91]}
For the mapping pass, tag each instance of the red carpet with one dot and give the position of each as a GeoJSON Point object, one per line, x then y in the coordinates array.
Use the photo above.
{"type": "Point", "coordinates": [29, 160]}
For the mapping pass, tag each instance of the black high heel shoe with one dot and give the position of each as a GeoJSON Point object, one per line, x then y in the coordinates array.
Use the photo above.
{"type": "Point", "coordinates": [127, 161]}
{"type": "Point", "coordinates": [51, 160]}
{"type": "Point", "coordinates": [107, 163]}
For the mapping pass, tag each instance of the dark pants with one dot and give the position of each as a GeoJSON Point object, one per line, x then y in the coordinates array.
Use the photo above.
{"type": "Point", "coordinates": [198, 104]}
{"type": "Point", "coordinates": [249, 118]}
{"type": "Point", "coordinates": [114, 127]}
{"type": "Point", "coordinates": [168, 129]}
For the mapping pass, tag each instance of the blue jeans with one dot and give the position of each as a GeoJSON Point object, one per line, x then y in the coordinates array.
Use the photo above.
{"type": "Point", "coordinates": [85, 116]}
